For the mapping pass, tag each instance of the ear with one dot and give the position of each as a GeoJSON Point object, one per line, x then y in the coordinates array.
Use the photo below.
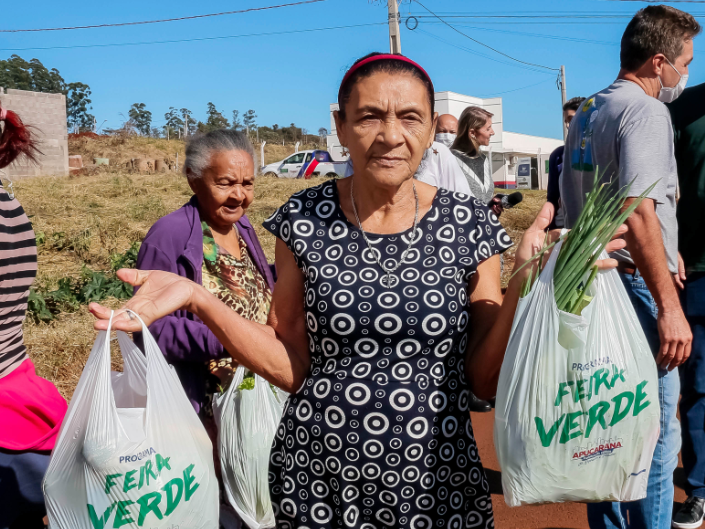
{"type": "Point", "coordinates": [340, 128]}
{"type": "Point", "coordinates": [192, 182]}
{"type": "Point", "coordinates": [433, 130]}
{"type": "Point", "coordinates": [658, 63]}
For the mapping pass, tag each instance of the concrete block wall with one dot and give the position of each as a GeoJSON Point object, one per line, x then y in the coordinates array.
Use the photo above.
{"type": "Point", "coordinates": [47, 114]}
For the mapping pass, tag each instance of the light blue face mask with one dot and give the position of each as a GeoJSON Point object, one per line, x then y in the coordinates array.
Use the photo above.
{"type": "Point", "coordinates": [669, 94]}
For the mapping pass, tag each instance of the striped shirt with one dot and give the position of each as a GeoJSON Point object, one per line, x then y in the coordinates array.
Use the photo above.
{"type": "Point", "coordinates": [18, 267]}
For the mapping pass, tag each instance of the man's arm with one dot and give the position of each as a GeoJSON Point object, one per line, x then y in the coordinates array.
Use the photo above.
{"type": "Point", "coordinates": [645, 244]}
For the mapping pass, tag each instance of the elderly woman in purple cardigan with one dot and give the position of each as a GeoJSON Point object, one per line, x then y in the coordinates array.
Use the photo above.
{"type": "Point", "coordinates": [211, 242]}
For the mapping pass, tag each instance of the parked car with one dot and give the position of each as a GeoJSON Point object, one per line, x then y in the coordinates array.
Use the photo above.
{"type": "Point", "coordinates": [305, 164]}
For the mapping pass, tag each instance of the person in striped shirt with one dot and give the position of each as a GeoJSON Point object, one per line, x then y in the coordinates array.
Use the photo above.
{"type": "Point", "coordinates": [31, 408]}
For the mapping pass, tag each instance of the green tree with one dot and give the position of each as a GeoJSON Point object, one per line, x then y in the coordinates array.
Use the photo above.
{"type": "Point", "coordinates": [48, 81]}
{"type": "Point", "coordinates": [19, 74]}
{"type": "Point", "coordinates": [141, 117]}
{"type": "Point", "coordinates": [249, 118]}
{"type": "Point", "coordinates": [215, 119]}
{"type": "Point", "coordinates": [237, 124]}
{"type": "Point", "coordinates": [77, 101]}
{"type": "Point", "coordinates": [192, 123]}
{"type": "Point", "coordinates": [16, 73]}
{"type": "Point", "coordinates": [173, 121]}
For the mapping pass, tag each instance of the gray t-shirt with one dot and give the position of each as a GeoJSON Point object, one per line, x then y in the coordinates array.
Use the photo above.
{"type": "Point", "coordinates": [625, 135]}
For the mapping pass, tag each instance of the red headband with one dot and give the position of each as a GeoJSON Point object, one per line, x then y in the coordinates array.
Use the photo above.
{"type": "Point", "coordinates": [386, 56]}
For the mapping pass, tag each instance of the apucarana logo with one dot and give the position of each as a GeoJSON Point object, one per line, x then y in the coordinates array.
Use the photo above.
{"type": "Point", "coordinates": [600, 448]}
{"type": "Point", "coordinates": [139, 456]}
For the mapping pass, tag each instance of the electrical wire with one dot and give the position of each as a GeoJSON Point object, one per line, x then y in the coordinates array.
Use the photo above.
{"type": "Point", "coordinates": [546, 14]}
{"type": "Point", "coordinates": [515, 89]}
{"type": "Point", "coordinates": [118, 44]}
{"type": "Point", "coordinates": [485, 45]}
{"type": "Point", "coordinates": [534, 17]}
{"type": "Point", "coordinates": [474, 52]}
{"type": "Point", "coordinates": [543, 36]}
{"type": "Point", "coordinates": [253, 9]}
{"type": "Point", "coordinates": [669, 1]}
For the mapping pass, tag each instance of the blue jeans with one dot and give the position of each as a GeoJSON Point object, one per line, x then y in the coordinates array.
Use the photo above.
{"type": "Point", "coordinates": [693, 388]}
{"type": "Point", "coordinates": [21, 497]}
{"type": "Point", "coordinates": [654, 511]}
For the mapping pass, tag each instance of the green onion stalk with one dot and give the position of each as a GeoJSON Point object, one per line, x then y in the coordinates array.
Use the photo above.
{"type": "Point", "coordinates": [575, 268]}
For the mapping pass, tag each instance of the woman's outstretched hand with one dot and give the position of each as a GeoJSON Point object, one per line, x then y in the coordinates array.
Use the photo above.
{"type": "Point", "coordinates": [535, 237]}
{"type": "Point", "coordinates": [160, 294]}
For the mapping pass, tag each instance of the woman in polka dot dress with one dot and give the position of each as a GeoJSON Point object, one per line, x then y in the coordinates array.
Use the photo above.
{"type": "Point", "coordinates": [387, 310]}
{"type": "Point", "coordinates": [379, 434]}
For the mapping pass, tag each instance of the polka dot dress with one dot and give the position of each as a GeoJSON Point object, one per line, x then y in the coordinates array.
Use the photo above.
{"type": "Point", "coordinates": [379, 435]}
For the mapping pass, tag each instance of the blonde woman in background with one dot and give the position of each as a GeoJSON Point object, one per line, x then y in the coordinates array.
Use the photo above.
{"type": "Point", "coordinates": [475, 130]}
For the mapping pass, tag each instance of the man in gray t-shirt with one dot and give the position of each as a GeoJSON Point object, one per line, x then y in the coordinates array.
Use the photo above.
{"type": "Point", "coordinates": [626, 136]}
{"type": "Point", "coordinates": [624, 133]}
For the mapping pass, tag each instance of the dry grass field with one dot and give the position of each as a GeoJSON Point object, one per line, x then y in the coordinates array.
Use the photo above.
{"type": "Point", "coordinates": [120, 150]}
{"type": "Point", "coordinates": [84, 220]}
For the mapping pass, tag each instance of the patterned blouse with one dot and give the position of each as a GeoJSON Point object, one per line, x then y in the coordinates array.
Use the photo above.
{"type": "Point", "coordinates": [236, 282]}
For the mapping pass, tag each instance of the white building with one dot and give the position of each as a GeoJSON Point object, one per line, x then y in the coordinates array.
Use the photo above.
{"type": "Point", "coordinates": [509, 150]}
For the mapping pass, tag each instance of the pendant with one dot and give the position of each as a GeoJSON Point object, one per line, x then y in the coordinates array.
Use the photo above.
{"type": "Point", "coordinates": [389, 280]}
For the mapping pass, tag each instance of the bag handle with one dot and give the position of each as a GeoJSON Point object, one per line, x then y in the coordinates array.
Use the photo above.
{"type": "Point", "coordinates": [146, 336]}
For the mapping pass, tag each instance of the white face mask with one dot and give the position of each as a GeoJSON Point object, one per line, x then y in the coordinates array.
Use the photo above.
{"type": "Point", "coordinates": [669, 94]}
{"type": "Point", "coordinates": [446, 138]}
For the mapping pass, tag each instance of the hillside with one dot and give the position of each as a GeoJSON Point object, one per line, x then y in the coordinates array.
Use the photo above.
{"type": "Point", "coordinates": [121, 149]}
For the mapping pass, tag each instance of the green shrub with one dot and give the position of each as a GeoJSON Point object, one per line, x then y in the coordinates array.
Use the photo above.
{"type": "Point", "coordinates": [92, 286]}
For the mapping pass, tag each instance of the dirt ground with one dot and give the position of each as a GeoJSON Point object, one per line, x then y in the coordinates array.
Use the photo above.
{"type": "Point", "coordinates": [552, 516]}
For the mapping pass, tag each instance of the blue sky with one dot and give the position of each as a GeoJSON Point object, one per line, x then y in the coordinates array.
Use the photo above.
{"type": "Point", "coordinates": [293, 77]}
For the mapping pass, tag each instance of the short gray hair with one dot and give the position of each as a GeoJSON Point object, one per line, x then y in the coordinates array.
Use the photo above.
{"type": "Point", "coordinates": [200, 149]}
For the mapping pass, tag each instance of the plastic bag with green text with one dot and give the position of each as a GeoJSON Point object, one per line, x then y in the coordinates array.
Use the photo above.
{"type": "Point", "coordinates": [131, 452]}
{"type": "Point", "coordinates": [247, 422]}
{"type": "Point", "coordinates": [577, 411]}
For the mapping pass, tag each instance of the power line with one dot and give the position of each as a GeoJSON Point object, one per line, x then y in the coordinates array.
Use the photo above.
{"type": "Point", "coordinates": [118, 44]}
{"type": "Point", "coordinates": [669, 1]}
{"type": "Point", "coordinates": [548, 14]}
{"type": "Point", "coordinates": [485, 45]}
{"type": "Point", "coordinates": [515, 89]}
{"type": "Point", "coordinates": [521, 17]}
{"type": "Point", "coordinates": [165, 19]}
{"type": "Point", "coordinates": [544, 36]}
{"type": "Point", "coordinates": [474, 52]}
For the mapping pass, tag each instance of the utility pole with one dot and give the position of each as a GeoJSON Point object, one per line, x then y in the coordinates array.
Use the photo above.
{"type": "Point", "coordinates": [394, 36]}
{"type": "Point", "coordinates": [563, 100]}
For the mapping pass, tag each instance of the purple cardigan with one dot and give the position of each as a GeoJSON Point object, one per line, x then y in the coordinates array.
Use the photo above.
{"type": "Point", "coordinates": [175, 244]}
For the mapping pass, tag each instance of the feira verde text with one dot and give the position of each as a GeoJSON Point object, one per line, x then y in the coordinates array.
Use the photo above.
{"type": "Point", "coordinates": [602, 414]}
{"type": "Point", "coordinates": [159, 503]}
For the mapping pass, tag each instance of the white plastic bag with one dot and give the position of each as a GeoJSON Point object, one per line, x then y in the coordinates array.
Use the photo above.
{"type": "Point", "coordinates": [131, 451]}
{"type": "Point", "coordinates": [577, 411]}
{"type": "Point", "coordinates": [247, 421]}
